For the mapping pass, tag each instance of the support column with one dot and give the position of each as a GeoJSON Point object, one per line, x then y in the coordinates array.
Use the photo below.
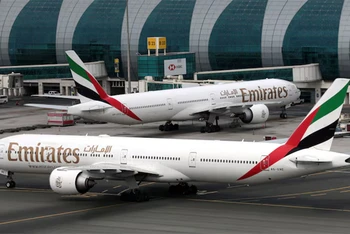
{"type": "Point", "coordinates": [40, 88]}
{"type": "Point", "coordinates": [317, 94]}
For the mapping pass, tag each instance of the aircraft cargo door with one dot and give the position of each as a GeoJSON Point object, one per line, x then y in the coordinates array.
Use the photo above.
{"type": "Point", "coordinates": [192, 159]}
{"type": "Point", "coordinates": [124, 156]}
{"type": "Point", "coordinates": [264, 165]}
{"type": "Point", "coordinates": [2, 152]}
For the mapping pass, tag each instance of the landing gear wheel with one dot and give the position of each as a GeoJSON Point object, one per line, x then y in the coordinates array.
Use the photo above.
{"type": "Point", "coordinates": [193, 189]}
{"type": "Point", "coordinates": [211, 128]}
{"type": "Point", "coordinates": [182, 189]}
{"type": "Point", "coordinates": [283, 115]}
{"type": "Point", "coordinates": [168, 126]}
{"type": "Point", "coordinates": [10, 184]}
{"type": "Point", "coordinates": [134, 196]}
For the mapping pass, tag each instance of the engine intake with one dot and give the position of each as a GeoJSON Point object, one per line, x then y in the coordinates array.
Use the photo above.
{"type": "Point", "coordinates": [258, 113]}
{"type": "Point", "coordinates": [70, 182]}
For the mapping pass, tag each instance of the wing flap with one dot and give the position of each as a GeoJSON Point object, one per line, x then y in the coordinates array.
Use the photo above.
{"type": "Point", "coordinates": [101, 169]}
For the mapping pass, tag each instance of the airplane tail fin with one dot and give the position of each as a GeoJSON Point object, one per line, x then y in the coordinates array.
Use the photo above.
{"type": "Point", "coordinates": [318, 127]}
{"type": "Point", "coordinates": [87, 86]}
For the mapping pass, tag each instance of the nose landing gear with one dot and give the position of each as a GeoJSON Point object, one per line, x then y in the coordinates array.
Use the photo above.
{"type": "Point", "coordinates": [283, 115]}
{"type": "Point", "coordinates": [10, 183]}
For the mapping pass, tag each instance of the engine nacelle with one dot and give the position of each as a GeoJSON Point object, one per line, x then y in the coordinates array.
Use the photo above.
{"type": "Point", "coordinates": [258, 113]}
{"type": "Point", "coordinates": [70, 182]}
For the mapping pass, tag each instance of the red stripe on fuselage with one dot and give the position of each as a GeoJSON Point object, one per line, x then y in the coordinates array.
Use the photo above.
{"type": "Point", "coordinates": [281, 151]}
{"type": "Point", "coordinates": [112, 101]}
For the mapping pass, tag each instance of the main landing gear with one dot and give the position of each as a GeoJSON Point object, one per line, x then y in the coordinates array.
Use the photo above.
{"type": "Point", "coordinates": [183, 189]}
{"type": "Point", "coordinates": [168, 126]}
{"type": "Point", "coordinates": [10, 183]}
{"type": "Point", "coordinates": [134, 194]}
{"type": "Point", "coordinates": [210, 127]}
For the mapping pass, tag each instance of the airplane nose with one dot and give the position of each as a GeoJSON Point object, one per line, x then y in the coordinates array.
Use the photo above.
{"type": "Point", "coordinates": [347, 160]}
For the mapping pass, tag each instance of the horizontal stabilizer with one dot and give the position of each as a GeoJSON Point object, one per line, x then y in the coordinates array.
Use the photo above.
{"type": "Point", "coordinates": [311, 159]}
{"type": "Point", "coordinates": [96, 108]}
{"type": "Point", "coordinates": [57, 96]}
{"type": "Point", "coordinates": [45, 106]}
{"type": "Point", "coordinates": [277, 141]}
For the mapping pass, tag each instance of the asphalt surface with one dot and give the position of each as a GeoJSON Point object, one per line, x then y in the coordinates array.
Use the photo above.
{"type": "Point", "coordinates": [318, 203]}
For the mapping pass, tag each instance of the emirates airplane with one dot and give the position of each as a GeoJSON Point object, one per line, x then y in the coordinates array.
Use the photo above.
{"type": "Point", "coordinates": [247, 100]}
{"type": "Point", "coordinates": [75, 163]}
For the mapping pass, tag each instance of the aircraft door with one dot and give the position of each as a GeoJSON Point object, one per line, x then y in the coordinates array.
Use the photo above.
{"type": "Point", "coordinates": [170, 103]}
{"type": "Point", "coordinates": [264, 165]}
{"type": "Point", "coordinates": [2, 152]}
{"type": "Point", "coordinates": [192, 159]}
{"type": "Point", "coordinates": [212, 99]}
{"type": "Point", "coordinates": [124, 156]}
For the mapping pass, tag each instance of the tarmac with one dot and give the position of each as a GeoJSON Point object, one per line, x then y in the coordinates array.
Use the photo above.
{"type": "Point", "coordinates": [318, 203]}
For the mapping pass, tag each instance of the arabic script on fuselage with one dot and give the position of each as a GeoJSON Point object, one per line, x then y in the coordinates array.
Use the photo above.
{"type": "Point", "coordinates": [259, 94]}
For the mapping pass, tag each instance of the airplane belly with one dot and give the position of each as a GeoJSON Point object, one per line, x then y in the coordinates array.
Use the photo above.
{"type": "Point", "coordinates": [28, 167]}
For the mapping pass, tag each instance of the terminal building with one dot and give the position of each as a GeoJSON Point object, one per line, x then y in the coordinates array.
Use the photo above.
{"type": "Point", "coordinates": [215, 39]}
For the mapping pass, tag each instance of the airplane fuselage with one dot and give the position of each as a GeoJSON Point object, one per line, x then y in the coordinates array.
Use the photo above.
{"type": "Point", "coordinates": [175, 160]}
{"type": "Point", "coordinates": [180, 104]}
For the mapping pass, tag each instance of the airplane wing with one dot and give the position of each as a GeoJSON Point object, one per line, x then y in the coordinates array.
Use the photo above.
{"type": "Point", "coordinates": [45, 106]}
{"type": "Point", "coordinates": [227, 107]}
{"type": "Point", "coordinates": [117, 171]}
{"type": "Point", "coordinates": [57, 96]}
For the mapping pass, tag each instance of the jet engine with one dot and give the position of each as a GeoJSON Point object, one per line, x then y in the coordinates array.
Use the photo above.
{"type": "Point", "coordinates": [70, 182]}
{"type": "Point", "coordinates": [258, 113]}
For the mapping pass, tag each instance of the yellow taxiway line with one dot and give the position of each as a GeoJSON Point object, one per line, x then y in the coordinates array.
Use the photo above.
{"type": "Point", "coordinates": [291, 194]}
{"type": "Point", "coordinates": [270, 205]}
{"type": "Point", "coordinates": [58, 214]}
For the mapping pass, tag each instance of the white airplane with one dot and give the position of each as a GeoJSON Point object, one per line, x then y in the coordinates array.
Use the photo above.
{"type": "Point", "coordinates": [76, 162]}
{"type": "Point", "coordinates": [247, 100]}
